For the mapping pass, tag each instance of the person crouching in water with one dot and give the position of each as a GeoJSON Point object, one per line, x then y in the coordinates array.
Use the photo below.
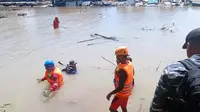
{"type": "Point", "coordinates": [56, 23]}
{"type": "Point", "coordinates": [71, 67]}
{"type": "Point", "coordinates": [54, 77]}
{"type": "Point", "coordinates": [123, 79]}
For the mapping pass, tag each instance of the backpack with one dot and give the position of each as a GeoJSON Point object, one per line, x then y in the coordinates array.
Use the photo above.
{"type": "Point", "coordinates": [189, 89]}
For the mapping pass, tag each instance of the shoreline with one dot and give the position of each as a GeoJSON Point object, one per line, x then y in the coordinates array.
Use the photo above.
{"type": "Point", "coordinates": [91, 4]}
{"type": "Point", "coordinates": [25, 4]}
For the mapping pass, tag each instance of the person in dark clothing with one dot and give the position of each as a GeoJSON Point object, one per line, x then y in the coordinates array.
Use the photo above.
{"type": "Point", "coordinates": [71, 67]}
{"type": "Point", "coordinates": [165, 99]}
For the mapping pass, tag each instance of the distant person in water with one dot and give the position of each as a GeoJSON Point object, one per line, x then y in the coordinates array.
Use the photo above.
{"type": "Point", "coordinates": [56, 23]}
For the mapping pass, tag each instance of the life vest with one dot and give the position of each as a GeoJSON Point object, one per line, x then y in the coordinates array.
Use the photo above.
{"type": "Point", "coordinates": [127, 90]}
{"type": "Point", "coordinates": [60, 76]}
{"type": "Point", "coordinates": [56, 24]}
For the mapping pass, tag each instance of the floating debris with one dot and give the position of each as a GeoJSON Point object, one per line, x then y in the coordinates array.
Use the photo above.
{"type": "Point", "coordinates": [171, 28]}
{"type": "Point", "coordinates": [72, 102]}
{"type": "Point", "coordinates": [166, 27]}
{"type": "Point", "coordinates": [158, 66]}
{"type": "Point", "coordinates": [137, 38]}
{"type": "Point", "coordinates": [15, 9]}
{"type": "Point", "coordinates": [98, 36]}
{"type": "Point", "coordinates": [142, 98]}
{"type": "Point", "coordinates": [105, 37]}
{"type": "Point", "coordinates": [1, 17]}
{"type": "Point", "coordinates": [96, 43]}
{"type": "Point", "coordinates": [22, 14]}
{"type": "Point", "coordinates": [87, 40]}
{"type": "Point", "coordinates": [147, 29]}
{"type": "Point", "coordinates": [61, 63]}
{"type": "Point", "coordinates": [2, 107]}
{"type": "Point", "coordinates": [109, 61]}
{"type": "Point", "coordinates": [5, 105]}
{"type": "Point", "coordinates": [63, 27]}
{"type": "Point", "coordinates": [140, 108]}
{"type": "Point", "coordinates": [100, 68]}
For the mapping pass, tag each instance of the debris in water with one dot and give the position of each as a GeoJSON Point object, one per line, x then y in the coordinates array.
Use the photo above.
{"type": "Point", "coordinates": [22, 14]}
{"type": "Point", "coordinates": [137, 38]}
{"type": "Point", "coordinates": [147, 29]}
{"type": "Point", "coordinates": [168, 28]}
{"type": "Point", "coordinates": [105, 37]}
{"type": "Point", "coordinates": [95, 43]}
{"type": "Point", "coordinates": [108, 61]}
{"type": "Point", "coordinates": [99, 36]}
{"type": "Point", "coordinates": [142, 98]}
{"type": "Point", "coordinates": [145, 110]}
{"type": "Point", "coordinates": [72, 102]}
{"type": "Point", "coordinates": [63, 27]}
{"type": "Point", "coordinates": [100, 68]}
{"type": "Point", "coordinates": [140, 108]}
{"type": "Point", "coordinates": [87, 40]}
{"type": "Point", "coordinates": [158, 66]}
{"type": "Point", "coordinates": [143, 28]}
{"type": "Point", "coordinates": [2, 107]}
{"type": "Point", "coordinates": [1, 17]}
{"type": "Point", "coordinates": [5, 105]}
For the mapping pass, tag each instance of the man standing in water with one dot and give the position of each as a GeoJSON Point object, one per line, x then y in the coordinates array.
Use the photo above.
{"type": "Point", "coordinates": [129, 59]}
{"type": "Point", "coordinates": [123, 80]}
{"type": "Point", "coordinates": [54, 77]}
{"type": "Point", "coordinates": [173, 94]}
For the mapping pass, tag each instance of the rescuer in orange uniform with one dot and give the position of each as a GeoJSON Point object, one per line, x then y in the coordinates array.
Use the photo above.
{"type": "Point", "coordinates": [123, 80]}
{"type": "Point", "coordinates": [54, 77]}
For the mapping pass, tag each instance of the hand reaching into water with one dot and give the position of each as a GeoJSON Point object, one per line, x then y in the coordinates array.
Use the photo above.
{"type": "Point", "coordinates": [46, 93]}
{"type": "Point", "coordinates": [39, 80]}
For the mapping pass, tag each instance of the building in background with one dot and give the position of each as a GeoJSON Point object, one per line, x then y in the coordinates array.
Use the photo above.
{"type": "Point", "coordinates": [195, 2]}
{"type": "Point", "coordinates": [19, 0]}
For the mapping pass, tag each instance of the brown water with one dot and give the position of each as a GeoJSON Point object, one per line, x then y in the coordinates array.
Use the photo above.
{"type": "Point", "coordinates": [26, 42]}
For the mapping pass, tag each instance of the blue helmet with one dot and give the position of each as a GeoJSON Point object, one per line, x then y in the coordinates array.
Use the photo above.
{"type": "Point", "coordinates": [49, 64]}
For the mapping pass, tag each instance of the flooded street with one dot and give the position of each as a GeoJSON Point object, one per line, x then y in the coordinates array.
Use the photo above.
{"type": "Point", "coordinates": [26, 42]}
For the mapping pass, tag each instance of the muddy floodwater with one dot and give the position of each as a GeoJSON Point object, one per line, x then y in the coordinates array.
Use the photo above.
{"type": "Point", "coordinates": [26, 42]}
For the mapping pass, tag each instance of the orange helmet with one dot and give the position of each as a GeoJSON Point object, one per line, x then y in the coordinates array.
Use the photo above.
{"type": "Point", "coordinates": [122, 50]}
